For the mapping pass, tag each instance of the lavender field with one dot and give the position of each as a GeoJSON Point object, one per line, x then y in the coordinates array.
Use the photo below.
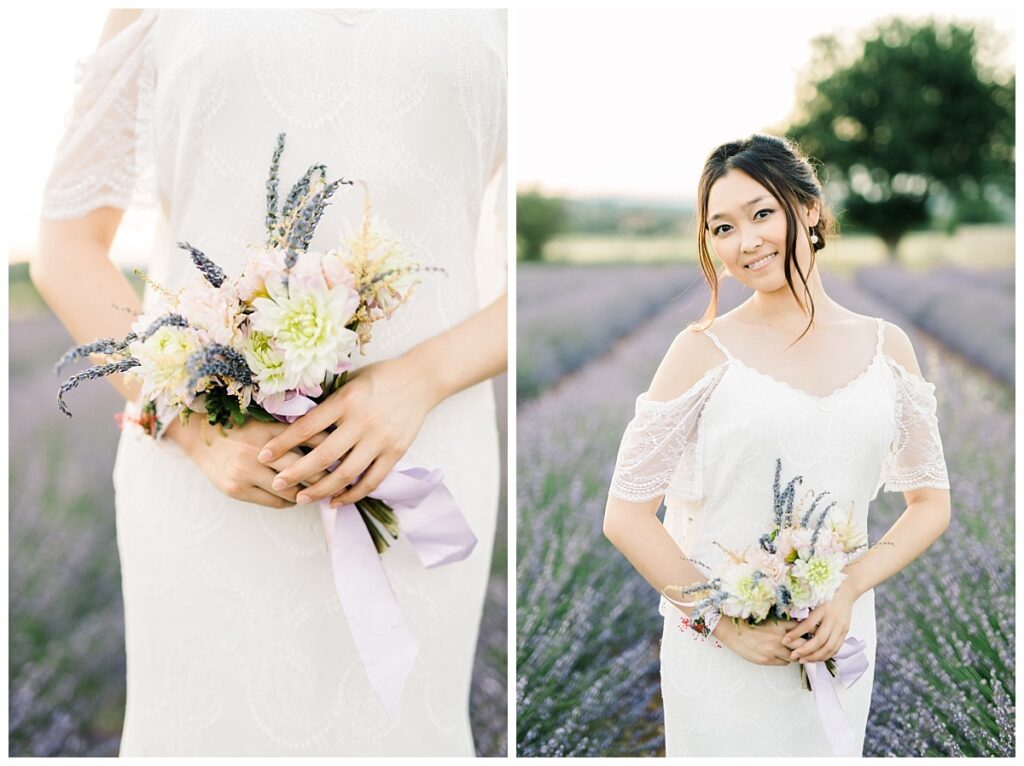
{"type": "Point", "coordinates": [571, 313]}
{"type": "Point", "coordinates": [588, 625]}
{"type": "Point", "coordinates": [66, 643]}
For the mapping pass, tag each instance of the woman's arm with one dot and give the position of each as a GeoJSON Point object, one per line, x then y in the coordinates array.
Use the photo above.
{"type": "Point", "coordinates": [380, 410]}
{"type": "Point", "coordinates": [928, 509]}
{"type": "Point", "coordinates": [73, 273]}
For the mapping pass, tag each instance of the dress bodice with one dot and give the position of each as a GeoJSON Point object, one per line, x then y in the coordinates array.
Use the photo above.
{"type": "Point", "coordinates": [712, 450]}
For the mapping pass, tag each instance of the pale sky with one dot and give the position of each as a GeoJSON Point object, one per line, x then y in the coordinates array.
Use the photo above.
{"type": "Point", "coordinates": [602, 101]}
{"type": "Point", "coordinates": [630, 102]}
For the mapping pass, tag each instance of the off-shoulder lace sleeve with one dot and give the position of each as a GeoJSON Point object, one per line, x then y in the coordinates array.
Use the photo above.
{"type": "Point", "coordinates": [915, 458]}
{"type": "Point", "coordinates": [105, 157]}
{"type": "Point", "coordinates": [661, 450]}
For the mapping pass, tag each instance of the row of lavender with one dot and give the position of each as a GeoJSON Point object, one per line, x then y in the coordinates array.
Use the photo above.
{"type": "Point", "coordinates": [588, 624]}
{"type": "Point", "coordinates": [969, 310]}
{"type": "Point", "coordinates": [567, 315]}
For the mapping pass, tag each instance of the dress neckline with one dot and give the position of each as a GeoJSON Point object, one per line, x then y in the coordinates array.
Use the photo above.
{"type": "Point", "coordinates": [819, 398]}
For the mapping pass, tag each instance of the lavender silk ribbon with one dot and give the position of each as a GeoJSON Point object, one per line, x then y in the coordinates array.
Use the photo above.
{"type": "Point", "coordinates": [432, 523]}
{"type": "Point", "coordinates": [851, 663]}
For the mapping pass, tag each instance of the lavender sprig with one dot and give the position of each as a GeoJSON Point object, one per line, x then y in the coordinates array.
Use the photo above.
{"type": "Point", "coordinates": [221, 361]}
{"type": "Point", "coordinates": [168, 320]}
{"type": "Point", "coordinates": [214, 274]}
{"type": "Point", "coordinates": [106, 346]}
{"type": "Point", "coordinates": [301, 189]}
{"type": "Point", "coordinates": [807, 516]}
{"type": "Point", "coordinates": [321, 205]}
{"type": "Point", "coordinates": [272, 188]}
{"type": "Point", "coordinates": [821, 522]}
{"type": "Point", "coordinates": [97, 371]}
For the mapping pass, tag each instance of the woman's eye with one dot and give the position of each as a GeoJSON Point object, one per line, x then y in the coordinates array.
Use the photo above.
{"type": "Point", "coordinates": [765, 210]}
{"type": "Point", "coordinates": [718, 229]}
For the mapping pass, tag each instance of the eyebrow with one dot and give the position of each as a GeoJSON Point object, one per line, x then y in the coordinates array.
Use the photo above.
{"type": "Point", "coordinates": [722, 215]}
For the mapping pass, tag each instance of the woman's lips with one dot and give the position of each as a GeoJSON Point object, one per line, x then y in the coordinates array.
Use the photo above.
{"type": "Point", "coordinates": [761, 263]}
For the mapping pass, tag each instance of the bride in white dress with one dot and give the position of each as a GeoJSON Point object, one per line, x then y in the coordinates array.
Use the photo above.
{"type": "Point", "coordinates": [837, 397]}
{"type": "Point", "coordinates": [235, 640]}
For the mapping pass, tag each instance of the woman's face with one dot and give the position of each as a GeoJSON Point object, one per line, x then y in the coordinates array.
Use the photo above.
{"type": "Point", "coordinates": [747, 227]}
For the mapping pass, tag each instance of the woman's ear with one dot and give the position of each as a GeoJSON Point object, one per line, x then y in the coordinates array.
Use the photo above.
{"type": "Point", "coordinates": [813, 214]}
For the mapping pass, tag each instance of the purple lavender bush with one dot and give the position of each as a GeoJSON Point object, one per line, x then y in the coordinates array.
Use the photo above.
{"type": "Point", "coordinates": [968, 310]}
{"type": "Point", "coordinates": [571, 313]}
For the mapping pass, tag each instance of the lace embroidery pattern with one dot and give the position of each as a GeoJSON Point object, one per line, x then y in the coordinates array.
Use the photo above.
{"type": "Point", "coordinates": [661, 437]}
{"type": "Point", "coordinates": [106, 157]}
{"type": "Point", "coordinates": [916, 459]}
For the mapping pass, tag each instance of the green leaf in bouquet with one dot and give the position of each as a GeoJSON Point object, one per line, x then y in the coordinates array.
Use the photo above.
{"type": "Point", "coordinates": [223, 409]}
{"type": "Point", "coordinates": [258, 413]}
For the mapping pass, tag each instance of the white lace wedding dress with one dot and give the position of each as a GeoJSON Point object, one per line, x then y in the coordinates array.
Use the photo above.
{"type": "Point", "coordinates": [235, 641]}
{"type": "Point", "coordinates": [712, 452]}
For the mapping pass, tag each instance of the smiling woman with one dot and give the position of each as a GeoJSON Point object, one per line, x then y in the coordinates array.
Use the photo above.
{"type": "Point", "coordinates": [792, 399]}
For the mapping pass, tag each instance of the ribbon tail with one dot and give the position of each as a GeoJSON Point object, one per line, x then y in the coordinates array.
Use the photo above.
{"type": "Point", "coordinates": [837, 728]}
{"type": "Point", "coordinates": [382, 638]}
{"type": "Point", "coordinates": [427, 514]}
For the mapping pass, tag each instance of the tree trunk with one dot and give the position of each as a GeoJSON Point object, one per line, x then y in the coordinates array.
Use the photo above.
{"type": "Point", "coordinates": [891, 244]}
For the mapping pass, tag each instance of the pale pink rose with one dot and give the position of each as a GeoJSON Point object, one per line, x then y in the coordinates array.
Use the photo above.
{"type": "Point", "coordinates": [793, 538]}
{"type": "Point", "coordinates": [773, 565]}
{"type": "Point", "coordinates": [214, 312]}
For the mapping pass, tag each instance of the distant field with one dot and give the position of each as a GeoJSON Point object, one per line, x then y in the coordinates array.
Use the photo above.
{"type": "Point", "coordinates": [976, 246]}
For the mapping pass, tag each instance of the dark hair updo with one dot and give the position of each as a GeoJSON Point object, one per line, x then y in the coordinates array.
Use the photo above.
{"type": "Point", "coordinates": [778, 165]}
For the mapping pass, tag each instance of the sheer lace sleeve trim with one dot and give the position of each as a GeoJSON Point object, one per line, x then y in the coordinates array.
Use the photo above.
{"type": "Point", "coordinates": [661, 452]}
{"type": "Point", "coordinates": [915, 458]}
{"type": "Point", "coordinates": [106, 157]}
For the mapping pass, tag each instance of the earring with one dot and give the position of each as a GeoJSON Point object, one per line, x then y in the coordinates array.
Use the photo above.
{"type": "Point", "coordinates": [814, 237]}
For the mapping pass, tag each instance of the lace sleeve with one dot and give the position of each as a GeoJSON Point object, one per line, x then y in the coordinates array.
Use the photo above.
{"type": "Point", "coordinates": [915, 459]}
{"type": "Point", "coordinates": [661, 450]}
{"type": "Point", "coordinates": [105, 157]}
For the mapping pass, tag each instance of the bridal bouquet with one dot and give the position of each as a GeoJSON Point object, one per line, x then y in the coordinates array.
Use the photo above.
{"type": "Point", "coordinates": [273, 343]}
{"type": "Point", "coordinates": [794, 567]}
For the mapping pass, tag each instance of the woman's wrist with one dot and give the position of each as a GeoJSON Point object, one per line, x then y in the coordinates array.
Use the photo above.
{"type": "Point", "coordinates": [426, 374]}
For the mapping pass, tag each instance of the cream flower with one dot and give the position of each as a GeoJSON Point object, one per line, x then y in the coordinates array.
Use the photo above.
{"type": "Point", "coordinates": [750, 594]}
{"type": "Point", "coordinates": [307, 323]}
{"type": "Point", "coordinates": [267, 364]}
{"type": "Point", "coordinates": [164, 363]}
{"type": "Point", "coordinates": [815, 580]}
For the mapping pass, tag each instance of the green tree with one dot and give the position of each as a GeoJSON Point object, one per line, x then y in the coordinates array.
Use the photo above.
{"type": "Point", "coordinates": [908, 114]}
{"type": "Point", "coordinates": [538, 219]}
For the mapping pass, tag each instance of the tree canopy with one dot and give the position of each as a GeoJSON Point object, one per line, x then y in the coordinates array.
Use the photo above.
{"type": "Point", "coordinates": [907, 115]}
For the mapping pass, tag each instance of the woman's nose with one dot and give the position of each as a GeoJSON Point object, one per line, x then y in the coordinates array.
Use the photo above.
{"type": "Point", "coordinates": [751, 244]}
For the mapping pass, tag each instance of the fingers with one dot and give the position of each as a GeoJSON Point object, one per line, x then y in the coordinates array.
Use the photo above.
{"type": "Point", "coordinates": [811, 651]}
{"type": "Point", "coordinates": [371, 480]}
{"type": "Point", "coordinates": [262, 497]}
{"type": "Point", "coordinates": [264, 477]}
{"type": "Point", "coordinates": [809, 624]}
{"type": "Point", "coordinates": [828, 649]}
{"type": "Point", "coordinates": [317, 419]}
{"type": "Point", "coordinates": [354, 463]}
{"type": "Point", "coordinates": [289, 459]}
{"type": "Point", "coordinates": [329, 450]}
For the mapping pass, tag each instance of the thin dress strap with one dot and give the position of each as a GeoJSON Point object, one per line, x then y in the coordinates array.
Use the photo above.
{"type": "Point", "coordinates": [881, 337]}
{"type": "Point", "coordinates": [717, 342]}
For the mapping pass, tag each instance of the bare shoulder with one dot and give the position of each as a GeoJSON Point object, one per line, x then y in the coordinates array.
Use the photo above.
{"type": "Point", "coordinates": [117, 20]}
{"type": "Point", "coordinates": [688, 359]}
{"type": "Point", "coordinates": [897, 346]}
